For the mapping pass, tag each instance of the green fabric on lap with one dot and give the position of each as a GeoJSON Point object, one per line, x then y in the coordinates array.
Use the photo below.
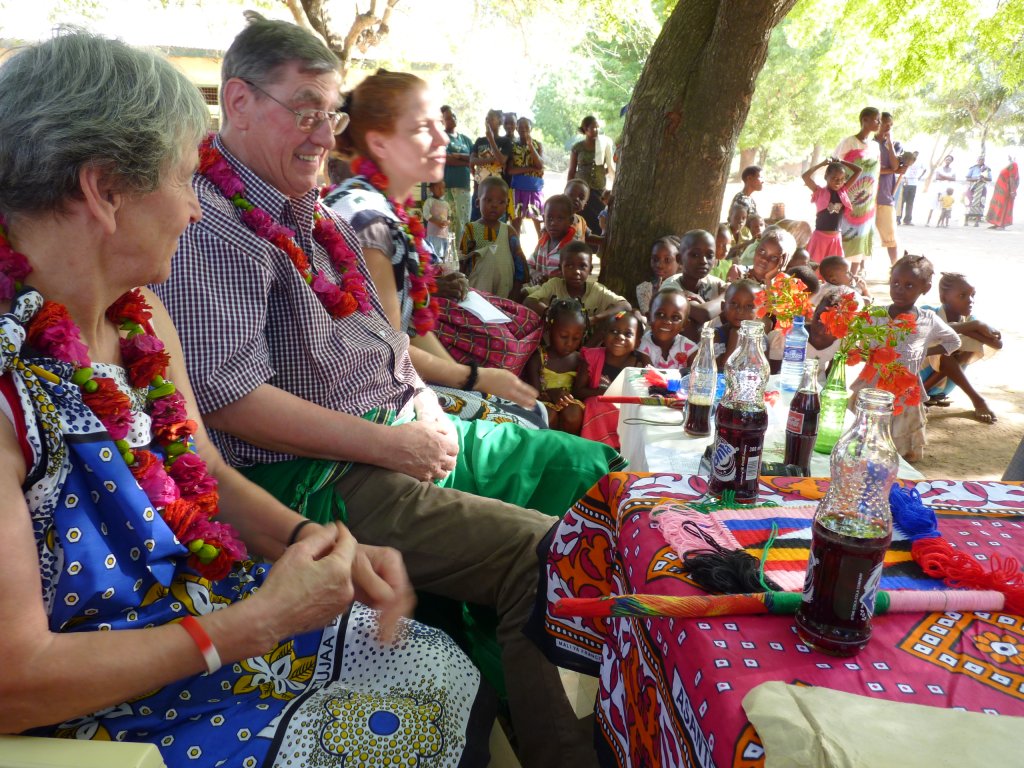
{"type": "Point", "coordinates": [503, 461]}
{"type": "Point", "coordinates": [305, 485]}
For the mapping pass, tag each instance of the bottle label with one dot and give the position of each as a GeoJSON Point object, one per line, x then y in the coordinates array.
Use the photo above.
{"type": "Point", "coordinates": [795, 423]}
{"type": "Point", "coordinates": [723, 460]}
{"type": "Point", "coordinates": [856, 587]}
{"type": "Point", "coordinates": [753, 465]}
{"type": "Point", "coordinates": [794, 353]}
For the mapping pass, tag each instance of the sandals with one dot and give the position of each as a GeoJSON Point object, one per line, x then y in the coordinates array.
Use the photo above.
{"type": "Point", "coordinates": [938, 400]}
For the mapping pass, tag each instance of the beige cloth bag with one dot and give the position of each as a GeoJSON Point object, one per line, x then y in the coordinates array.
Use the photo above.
{"type": "Point", "coordinates": [811, 727]}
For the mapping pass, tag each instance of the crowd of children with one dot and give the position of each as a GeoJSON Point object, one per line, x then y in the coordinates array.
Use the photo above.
{"type": "Point", "coordinates": [698, 278]}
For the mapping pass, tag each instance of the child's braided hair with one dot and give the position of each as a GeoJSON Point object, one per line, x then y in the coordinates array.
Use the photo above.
{"type": "Point", "coordinates": [951, 280]}
{"type": "Point", "coordinates": [564, 308]}
{"type": "Point", "coordinates": [919, 264]}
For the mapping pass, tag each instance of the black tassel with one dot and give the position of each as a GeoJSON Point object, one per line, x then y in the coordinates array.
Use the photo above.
{"type": "Point", "coordinates": [721, 570]}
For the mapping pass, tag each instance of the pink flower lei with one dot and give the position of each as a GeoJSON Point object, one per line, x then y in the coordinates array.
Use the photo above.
{"type": "Point", "coordinates": [423, 284]}
{"type": "Point", "coordinates": [339, 301]}
{"type": "Point", "coordinates": [179, 485]}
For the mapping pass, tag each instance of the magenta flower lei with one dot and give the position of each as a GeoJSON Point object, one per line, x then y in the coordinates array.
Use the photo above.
{"type": "Point", "coordinates": [423, 284]}
{"type": "Point", "coordinates": [339, 301]}
{"type": "Point", "coordinates": [180, 487]}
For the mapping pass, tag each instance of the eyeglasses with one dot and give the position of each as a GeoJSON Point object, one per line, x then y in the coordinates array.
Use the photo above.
{"type": "Point", "coordinates": [309, 120]}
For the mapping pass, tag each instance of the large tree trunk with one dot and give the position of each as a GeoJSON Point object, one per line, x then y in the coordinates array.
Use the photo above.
{"type": "Point", "coordinates": [681, 128]}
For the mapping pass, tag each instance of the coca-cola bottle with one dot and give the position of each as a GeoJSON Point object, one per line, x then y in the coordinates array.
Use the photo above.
{"type": "Point", "coordinates": [802, 424]}
{"type": "Point", "coordinates": [741, 418]}
{"type": "Point", "coordinates": [703, 383]}
{"type": "Point", "coordinates": [851, 532]}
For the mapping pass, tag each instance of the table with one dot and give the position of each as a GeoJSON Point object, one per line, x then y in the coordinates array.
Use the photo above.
{"type": "Point", "coordinates": [670, 689]}
{"type": "Point", "coordinates": [653, 439]}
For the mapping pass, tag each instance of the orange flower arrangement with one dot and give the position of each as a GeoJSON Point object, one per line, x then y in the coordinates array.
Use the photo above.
{"type": "Point", "coordinates": [865, 339]}
{"type": "Point", "coordinates": [784, 298]}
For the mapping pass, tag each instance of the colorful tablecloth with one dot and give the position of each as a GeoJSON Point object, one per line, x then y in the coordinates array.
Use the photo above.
{"type": "Point", "coordinates": [671, 689]}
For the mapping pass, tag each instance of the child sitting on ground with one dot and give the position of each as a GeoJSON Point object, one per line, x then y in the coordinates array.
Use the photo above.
{"type": "Point", "coordinates": [553, 367]}
{"type": "Point", "coordinates": [664, 342]}
{"type": "Point", "coordinates": [599, 367]}
{"type": "Point", "coordinates": [911, 278]}
{"type": "Point", "coordinates": [946, 201]}
{"type": "Point", "coordinates": [800, 258]}
{"type": "Point", "coordinates": [493, 259]}
{"type": "Point", "coordinates": [578, 191]}
{"type": "Point", "coordinates": [835, 270]}
{"type": "Point", "coordinates": [771, 255]}
{"type": "Point", "coordinates": [599, 302]}
{"type": "Point", "coordinates": [737, 223]}
{"type": "Point", "coordinates": [822, 345]}
{"type": "Point", "coordinates": [723, 243]}
{"type": "Point", "coordinates": [755, 225]}
{"type": "Point", "coordinates": [545, 262]}
{"type": "Point", "coordinates": [436, 213]}
{"type": "Point", "coordinates": [830, 201]}
{"type": "Point", "coordinates": [602, 218]}
{"type": "Point", "coordinates": [703, 290]}
{"type": "Point", "coordinates": [739, 304]}
{"type": "Point", "coordinates": [664, 264]}
{"type": "Point", "coordinates": [977, 340]}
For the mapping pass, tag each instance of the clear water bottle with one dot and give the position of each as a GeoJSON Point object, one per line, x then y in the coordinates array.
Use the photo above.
{"type": "Point", "coordinates": [793, 356]}
{"type": "Point", "coordinates": [741, 418]}
{"type": "Point", "coordinates": [851, 532]}
{"type": "Point", "coordinates": [703, 383]}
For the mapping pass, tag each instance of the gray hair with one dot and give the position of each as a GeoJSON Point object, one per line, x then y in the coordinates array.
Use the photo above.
{"type": "Point", "coordinates": [264, 47]}
{"type": "Point", "coordinates": [785, 241]}
{"type": "Point", "coordinates": [81, 100]}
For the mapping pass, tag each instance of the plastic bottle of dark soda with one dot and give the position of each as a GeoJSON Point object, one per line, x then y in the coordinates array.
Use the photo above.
{"type": "Point", "coordinates": [741, 418]}
{"type": "Point", "coordinates": [851, 533]}
{"type": "Point", "coordinates": [802, 424]}
{"type": "Point", "coordinates": [703, 383]}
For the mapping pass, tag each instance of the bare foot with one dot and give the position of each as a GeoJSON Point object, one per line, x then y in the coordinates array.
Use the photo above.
{"type": "Point", "coordinates": [914, 455]}
{"type": "Point", "coordinates": [984, 414]}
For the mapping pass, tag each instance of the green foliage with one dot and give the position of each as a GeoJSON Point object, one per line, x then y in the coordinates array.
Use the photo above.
{"type": "Point", "coordinates": [942, 66]}
{"type": "Point", "coordinates": [606, 60]}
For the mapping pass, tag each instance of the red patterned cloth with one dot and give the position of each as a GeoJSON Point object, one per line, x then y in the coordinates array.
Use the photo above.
{"type": "Point", "coordinates": [492, 345]}
{"type": "Point", "coordinates": [671, 689]}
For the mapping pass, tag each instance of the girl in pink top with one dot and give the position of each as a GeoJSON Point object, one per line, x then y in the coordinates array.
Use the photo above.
{"type": "Point", "coordinates": [831, 201]}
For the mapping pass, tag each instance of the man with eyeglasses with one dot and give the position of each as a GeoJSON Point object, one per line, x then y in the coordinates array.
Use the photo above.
{"type": "Point", "coordinates": [303, 400]}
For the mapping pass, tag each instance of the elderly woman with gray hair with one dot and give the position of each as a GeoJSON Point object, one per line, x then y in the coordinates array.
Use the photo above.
{"type": "Point", "coordinates": [131, 609]}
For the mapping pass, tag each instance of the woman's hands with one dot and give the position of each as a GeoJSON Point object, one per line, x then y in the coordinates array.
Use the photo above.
{"type": "Point", "coordinates": [320, 575]}
{"type": "Point", "coordinates": [502, 383]}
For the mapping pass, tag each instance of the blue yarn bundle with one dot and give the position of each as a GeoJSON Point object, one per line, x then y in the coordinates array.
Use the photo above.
{"type": "Point", "coordinates": [910, 515]}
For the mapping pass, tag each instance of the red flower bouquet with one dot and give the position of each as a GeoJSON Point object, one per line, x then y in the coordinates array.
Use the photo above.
{"type": "Point", "coordinates": [870, 336]}
{"type": "Point", "coordinates": [785, 298]}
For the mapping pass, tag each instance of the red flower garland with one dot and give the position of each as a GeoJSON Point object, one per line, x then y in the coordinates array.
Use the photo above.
{"type": "Point", "coordinates": [180, 486]}
{"type": "Point", "coordinates": [338, 301]}
{"type": "Point", "coordinates": [423, 283]}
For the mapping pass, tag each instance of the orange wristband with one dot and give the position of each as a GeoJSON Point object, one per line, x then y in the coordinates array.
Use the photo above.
{"type": "Point", "coordinates": [203, 643]}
